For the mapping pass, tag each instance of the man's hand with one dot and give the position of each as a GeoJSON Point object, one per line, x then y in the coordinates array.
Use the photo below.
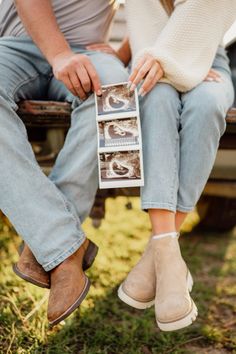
{"type": "Point", "coordinates": [77, 73]}
{"type": "Point", "coordinates": [147, 69]}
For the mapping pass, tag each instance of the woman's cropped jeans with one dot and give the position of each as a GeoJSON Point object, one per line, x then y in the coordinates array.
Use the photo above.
{"type": "Point", "coordinates": [181, 134]}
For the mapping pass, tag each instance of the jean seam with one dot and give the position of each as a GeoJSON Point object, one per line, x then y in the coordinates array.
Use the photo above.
{"type": "Point", "coordinates": [175, 170]}
{"type": "Point", "coordinates": [67, 209]}
{"type": "Point", "coordinates": [24, 83]}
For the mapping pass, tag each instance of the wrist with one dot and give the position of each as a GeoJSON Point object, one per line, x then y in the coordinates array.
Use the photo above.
{"type": "Point", "coordinates": [58, 53]}
{"type": "Point", "coordinates": [62, 55]}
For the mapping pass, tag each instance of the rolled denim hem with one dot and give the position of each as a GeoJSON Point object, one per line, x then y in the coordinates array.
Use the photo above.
{"type": "Point", "coordinates": [183, 209]}
{"type": "Point", "coordinates": [76, 245]}
{"type": "Point", "coordinates": [153, 205]}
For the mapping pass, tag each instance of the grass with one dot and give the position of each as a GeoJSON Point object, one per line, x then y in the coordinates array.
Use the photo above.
{"type": "Point", "coordinates": [104, 324]}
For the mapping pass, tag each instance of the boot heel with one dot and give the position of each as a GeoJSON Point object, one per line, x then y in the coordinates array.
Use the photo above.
{"type": "Point", "coordinates": [189, 281]}
{"type": "Point", "coordinates": [90, 255]}
{"type": "Point", "coordinates": [181, 323]}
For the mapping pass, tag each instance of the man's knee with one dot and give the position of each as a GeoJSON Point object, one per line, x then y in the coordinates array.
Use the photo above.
{"type": "Point", "coordinates": [109, 69]}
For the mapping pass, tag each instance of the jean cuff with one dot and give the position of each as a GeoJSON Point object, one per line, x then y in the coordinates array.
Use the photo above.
{"type": "Point", "coordinates": [75, 246]}
{"type": "Point", "coordinates": [154, 205]}
{"type": "Point", "coordinates": [184, 209]}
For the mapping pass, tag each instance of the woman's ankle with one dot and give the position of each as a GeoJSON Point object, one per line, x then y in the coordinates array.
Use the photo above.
{"type": "Point", "coordinates": [163, 221]}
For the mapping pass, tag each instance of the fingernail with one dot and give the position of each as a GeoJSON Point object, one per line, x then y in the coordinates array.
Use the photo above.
{"type": "Point", "coordinates": [218, 79]}
{"type": "Point", "coordinates": [129, 84]}
{"type": "Point", "coordinates": [141, 92]}
{"type": "Point", "coordinates": [133, 87]}
{"type": "Point", "coordinates": [99, 93]}
{"type": "Point", "coordinates": [210, 79]}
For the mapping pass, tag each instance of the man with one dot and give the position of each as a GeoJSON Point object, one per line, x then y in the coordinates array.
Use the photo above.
{"type": "Point", "coordinates": [43, 52]}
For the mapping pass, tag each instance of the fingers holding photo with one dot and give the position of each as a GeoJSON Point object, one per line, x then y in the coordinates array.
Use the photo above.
{"type": "Point", "coordinates": [77, 73]}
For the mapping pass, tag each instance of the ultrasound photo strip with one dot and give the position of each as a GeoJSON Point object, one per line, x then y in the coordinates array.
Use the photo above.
{"type": "Point", "coordinates": [119, 132]}
{"type": "Point", "coordinates": [120, 157]}
{"type": "Point", "coordinates": [120, 169]}
{"type": "Point", "coordinates": [116, 100]}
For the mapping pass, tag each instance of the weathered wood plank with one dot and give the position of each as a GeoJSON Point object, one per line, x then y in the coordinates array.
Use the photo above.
{"type": "Point", "coordinates": [49, 112]}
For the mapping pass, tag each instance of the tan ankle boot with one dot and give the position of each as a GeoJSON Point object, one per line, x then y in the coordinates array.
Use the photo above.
{"type": "Point", "coordinates": [139, 288]}
{"type": "Point", "coordinates": [69, 287]}
{"type": "Point", "coordinates": [173, 305]}
{"type": "Point", "coordinates": [30, 270]}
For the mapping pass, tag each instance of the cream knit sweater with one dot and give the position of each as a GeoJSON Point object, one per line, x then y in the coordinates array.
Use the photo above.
{"type": "Point", "coordinates": [186, 42]}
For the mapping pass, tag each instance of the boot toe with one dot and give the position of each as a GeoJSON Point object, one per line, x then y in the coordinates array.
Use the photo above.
{"type": "Point", "coordinates": [63, 301]}
{"type": "Point", "coordinates": [139, 290]}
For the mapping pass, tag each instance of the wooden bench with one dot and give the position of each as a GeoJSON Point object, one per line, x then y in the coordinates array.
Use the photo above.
{"type": "Point", "coordinates": [54, 117]}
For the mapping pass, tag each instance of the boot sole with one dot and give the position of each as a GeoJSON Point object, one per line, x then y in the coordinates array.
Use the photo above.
{"type": "Point", "coordinates": [74, 306]}
{"type": "Point", "coordinates": [132, 302]}
{"type": "Point", "coordinates": [89, 258]}
{"type": "Point", "coordinates": [181, 323]}
{"type": "Point", "coordinates": [29, 279]}
{"type": "Point", "coordinates": [141, 305]}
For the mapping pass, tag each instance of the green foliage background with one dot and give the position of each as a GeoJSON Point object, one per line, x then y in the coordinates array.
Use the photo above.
{"type": "Point", "coordinates": [104, 324]}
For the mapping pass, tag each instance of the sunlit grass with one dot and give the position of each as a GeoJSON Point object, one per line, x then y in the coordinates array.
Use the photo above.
{"type": "Point", "coordinates": [104, 324]}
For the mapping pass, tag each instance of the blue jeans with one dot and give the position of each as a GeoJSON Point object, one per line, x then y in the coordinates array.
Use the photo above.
{"type": "Point", "coordinates": [181, 134]}
{"type": "Point", "coordinates": [47, 212]}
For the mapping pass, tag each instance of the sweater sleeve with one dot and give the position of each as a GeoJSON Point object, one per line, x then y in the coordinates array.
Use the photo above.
{"type": "Point", "coordinates": [187, 45]}
{"type": "Point", "coordinates": [145, 21]}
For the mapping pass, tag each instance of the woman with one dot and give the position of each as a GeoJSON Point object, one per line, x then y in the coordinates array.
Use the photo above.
{"type": "Point", "coordinates": [185, 90]}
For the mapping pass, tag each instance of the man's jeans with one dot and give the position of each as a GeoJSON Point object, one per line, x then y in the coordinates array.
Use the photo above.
{"type": "Point", "coordinates": [181, 135]}
{"type": "Point", "coordinates": [47, 212]}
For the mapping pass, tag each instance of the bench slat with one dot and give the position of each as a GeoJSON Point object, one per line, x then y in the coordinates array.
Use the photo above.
{"type": "Point", "coordinates": [50, 113]}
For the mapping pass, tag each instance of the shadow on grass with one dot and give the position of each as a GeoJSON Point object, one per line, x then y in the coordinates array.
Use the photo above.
{"type": "Point", "coordinates": [109, 326]}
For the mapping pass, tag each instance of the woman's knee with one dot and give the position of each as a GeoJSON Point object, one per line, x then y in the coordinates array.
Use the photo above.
{"type": "Point", "coordinates": [162, 94]}
{"type": "Point", "coordinates": [160, 109]}
{"type": "Point", "coordinates": [205, 112]}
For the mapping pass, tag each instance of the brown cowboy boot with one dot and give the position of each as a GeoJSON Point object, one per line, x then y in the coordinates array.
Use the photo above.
{"type": "Point", "coordinates": [30, 270]}
{"type": "Point", "coordinates": [69, 287]}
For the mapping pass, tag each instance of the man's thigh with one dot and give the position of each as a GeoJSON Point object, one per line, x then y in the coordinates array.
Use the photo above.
{"type": "Point", "coordinates": [23, 70]}
{"type": "Point", "coordinates": [109, 68]}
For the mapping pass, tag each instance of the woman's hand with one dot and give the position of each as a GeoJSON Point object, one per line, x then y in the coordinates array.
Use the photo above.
{"type": "Point", "coordinates": [213, 75]}
{"type": "Point", "coordinates": [147, 69]}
